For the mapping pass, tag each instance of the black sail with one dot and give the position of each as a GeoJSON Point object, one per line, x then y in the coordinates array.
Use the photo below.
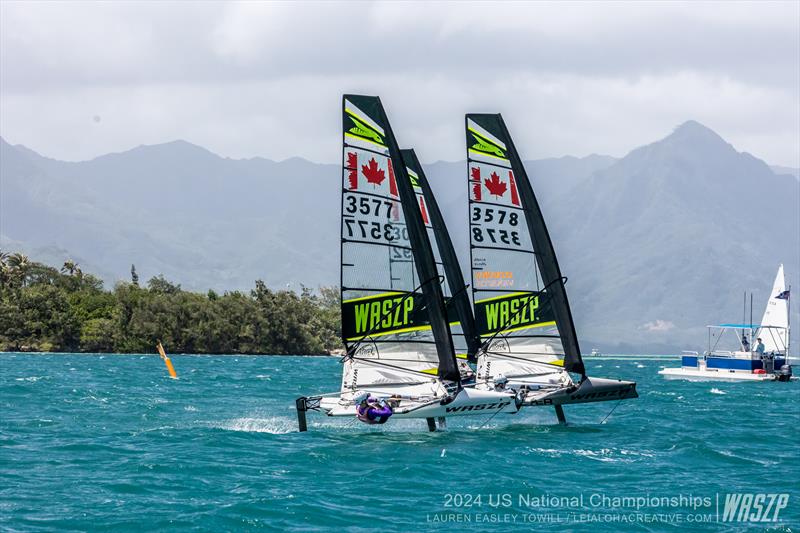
{"type": "Point", "coordinates": [393, 309]}
{"type": "Point", "coordinates": [459, 306]}
{"type": "Point", "coordinates": [520, 296]}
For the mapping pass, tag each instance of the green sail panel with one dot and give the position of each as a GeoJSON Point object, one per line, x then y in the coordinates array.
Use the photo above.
{"type": "Point", "coordinates": [520, 302]}
{"type": "Point", "coordinates": [393, 311]}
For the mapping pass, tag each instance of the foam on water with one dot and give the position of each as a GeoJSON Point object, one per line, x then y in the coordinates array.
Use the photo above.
{"type": "Point", "coordinates": [273, 425]}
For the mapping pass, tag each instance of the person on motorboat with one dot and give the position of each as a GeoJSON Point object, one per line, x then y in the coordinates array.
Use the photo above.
{"type": "Point", "coordinates": [370, 410]}
{"type": "Point", "coordinates": [745, 343]}
{"type": "Point", "coordinates": [760, 347]}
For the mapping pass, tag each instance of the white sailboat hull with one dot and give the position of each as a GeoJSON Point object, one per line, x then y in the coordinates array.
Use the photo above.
{"type": "Point", "coordinates": [713, 375]}
{"type": "Point", "coordinates": [587, 391]}
{"type": "Point", "coordinates": [468, 401]}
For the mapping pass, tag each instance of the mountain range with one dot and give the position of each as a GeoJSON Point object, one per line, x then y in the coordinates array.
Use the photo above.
{"type": "Point", "coordinates": [656, 244]}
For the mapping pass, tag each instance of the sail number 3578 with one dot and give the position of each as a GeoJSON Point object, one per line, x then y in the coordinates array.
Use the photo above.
{"type": "Point", "coordinates": [488, 216]}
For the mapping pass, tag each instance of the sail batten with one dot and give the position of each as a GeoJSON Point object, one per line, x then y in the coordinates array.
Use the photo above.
{"type": "Point", "coordinates": [520, 301]}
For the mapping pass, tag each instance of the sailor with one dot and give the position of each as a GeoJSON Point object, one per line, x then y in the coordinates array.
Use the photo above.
{"type": "Point", "coordinates": [500, 382]}
{"type": "Point", "coordinates": [745, 343]}
{"type": "Point", "coordinates": [760, 347]}
{"type": "Point", "coordinates": [371, 411]}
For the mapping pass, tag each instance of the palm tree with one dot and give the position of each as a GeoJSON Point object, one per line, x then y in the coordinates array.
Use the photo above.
{"type": "Point", "coordinates": [19, 264]}
{"type": "Point", "coordinates": [18, 260]}
{"type": "Point", "coordinates": [69, 267]}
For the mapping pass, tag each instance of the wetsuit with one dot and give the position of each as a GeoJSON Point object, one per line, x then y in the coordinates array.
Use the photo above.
{"type": "Point", "coordinates": [374, 415]}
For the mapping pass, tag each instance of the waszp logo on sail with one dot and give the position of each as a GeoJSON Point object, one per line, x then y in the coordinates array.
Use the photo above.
{"type": "Point", "coordinates": [510, 312]}
{"type": "Point", "coordinates": [390, 313]}
{"type": "Point", "coordinates": [754, 507]}
{"type": "Point", "coordinates": [380, 314]}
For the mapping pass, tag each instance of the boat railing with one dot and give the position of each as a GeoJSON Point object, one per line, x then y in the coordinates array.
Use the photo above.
{"type": "Point", "coordinates": [720, 353]}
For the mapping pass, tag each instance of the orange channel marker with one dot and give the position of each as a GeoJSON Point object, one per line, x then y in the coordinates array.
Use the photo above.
{"type": "Point", "coordinates": [167, 362]}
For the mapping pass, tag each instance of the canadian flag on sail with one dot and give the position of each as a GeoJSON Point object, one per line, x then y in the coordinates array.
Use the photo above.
{"type": "Point", "coordinates": [370, 169]}
{"type": "Point", "coordinates": [494, 185]}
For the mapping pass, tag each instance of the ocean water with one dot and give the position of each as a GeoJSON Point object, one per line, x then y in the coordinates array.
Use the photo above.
{"type": "Point", "coordinates": [91, 442]}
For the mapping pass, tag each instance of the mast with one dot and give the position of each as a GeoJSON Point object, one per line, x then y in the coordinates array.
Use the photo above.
{"type": "Point", "coordinates": [545, 255]}
{"type": "Point", "coordinates": [751, 319]}
{"type": "Point", "coordinates": [455, 278]}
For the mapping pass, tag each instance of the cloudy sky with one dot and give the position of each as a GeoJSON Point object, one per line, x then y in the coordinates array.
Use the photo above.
{"type": "Point", "coordinates": [265, 79]}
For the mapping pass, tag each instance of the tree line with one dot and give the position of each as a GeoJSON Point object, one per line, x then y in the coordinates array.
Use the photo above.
{"type": "Point", "coordinates": [46, 309]}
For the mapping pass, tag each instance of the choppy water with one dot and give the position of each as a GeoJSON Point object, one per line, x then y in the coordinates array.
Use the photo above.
{"type": "Point", "coordinates": [109, 442]}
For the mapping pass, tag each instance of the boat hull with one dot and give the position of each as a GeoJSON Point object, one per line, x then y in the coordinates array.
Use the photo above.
{"type": "Point", "coordinates": [734, 366]}
{"type": "Point", "coordinates": [589, 390]}
{"type": "Point", "coordinates": [467, 402]}
{"type": "Point", "coordinates": [713, 375]}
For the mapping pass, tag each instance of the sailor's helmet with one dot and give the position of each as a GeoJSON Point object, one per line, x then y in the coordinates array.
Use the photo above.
{"type": "Point", "coordinates": [360, 397]}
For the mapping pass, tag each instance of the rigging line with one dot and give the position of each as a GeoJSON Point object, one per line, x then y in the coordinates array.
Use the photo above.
{"type": "Point", "coordinates": [453, 297]}
{"type": "Point", "coordinates": [612, 410]}
{"type": "Point", "coordinates": [529, 361]}
{"type": "Point", "coordinates": [488, 420]}
{"type": "Point", "coordinates": [351, 423]}
{"type": "Point", "coordinates": [382, 363]}
{"type": "Point", "coordinates": [485, 345]}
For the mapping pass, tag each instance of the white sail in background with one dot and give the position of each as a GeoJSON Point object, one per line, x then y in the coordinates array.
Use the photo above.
{"type": "Point", "coordinates": [774, 330]}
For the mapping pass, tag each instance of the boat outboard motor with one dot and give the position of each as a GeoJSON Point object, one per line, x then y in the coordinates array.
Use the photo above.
{"type": "Point", "coordinates": [768, 363]}
{"type": "Point", "coordinates": [785, 373]}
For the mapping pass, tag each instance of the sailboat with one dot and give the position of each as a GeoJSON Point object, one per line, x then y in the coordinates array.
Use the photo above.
{"type": "Point", "coordinates": [774, 327]}
{"type": "Point", "coordinates": [522, 315]}
{"type": "Point", "coordinates": [395, 327]}
{"type": "Point", "coordinates": [747, 362]}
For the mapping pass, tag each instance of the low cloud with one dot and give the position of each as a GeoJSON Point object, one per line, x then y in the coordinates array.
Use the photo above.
{"type": "Point", "coordinates": [265, 78]}
{"type": "Point", "coordinates": [658, 326]}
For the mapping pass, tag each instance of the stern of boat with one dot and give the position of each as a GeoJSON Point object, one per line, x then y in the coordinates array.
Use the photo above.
{"type": "Point", "coordinates": [589, 390]}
